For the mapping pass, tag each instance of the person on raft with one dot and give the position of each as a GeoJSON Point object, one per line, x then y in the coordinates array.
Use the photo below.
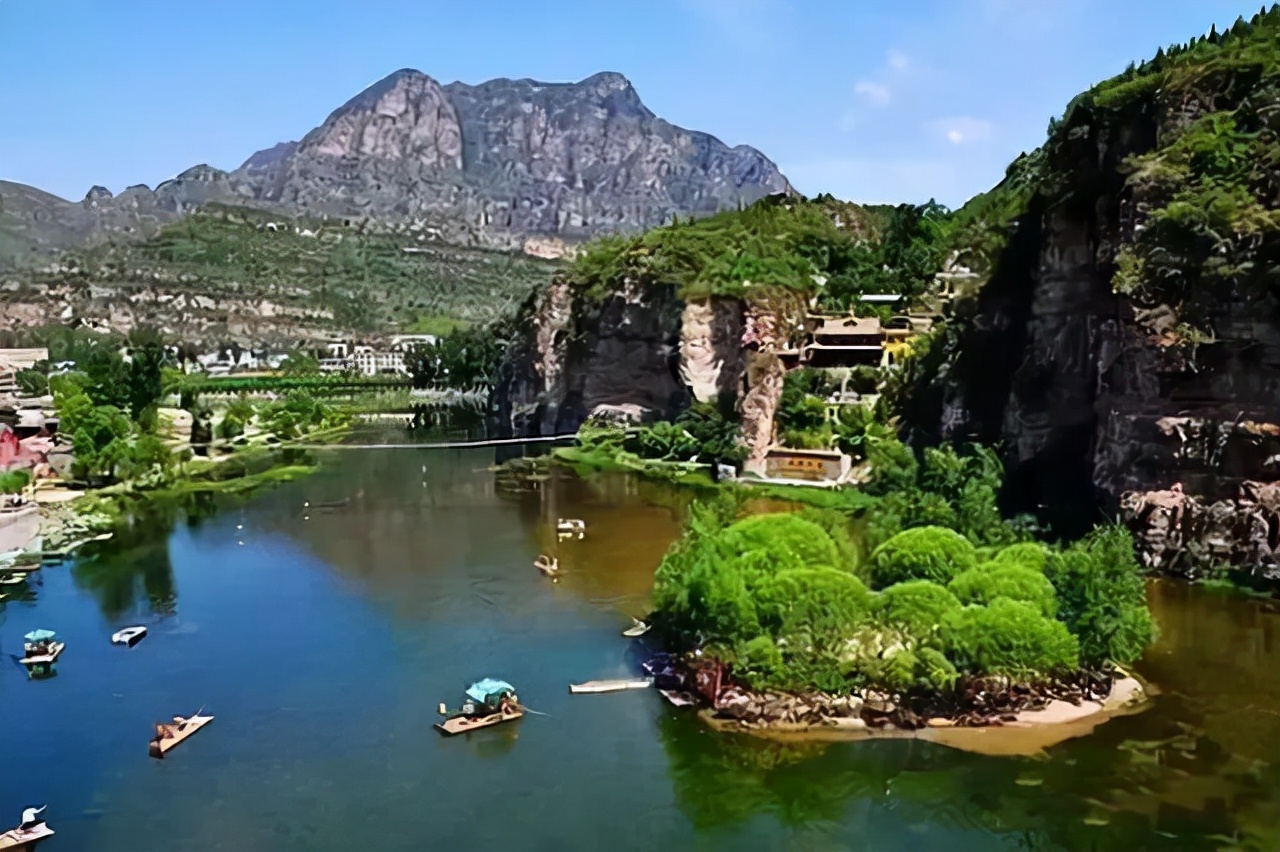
{"type": "Point", "coordinates": [31, 818]}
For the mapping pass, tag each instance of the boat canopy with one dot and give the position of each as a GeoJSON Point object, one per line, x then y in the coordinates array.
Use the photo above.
{"type": "Point", "coordinates": [40, 636]}
{"type": "Point", "coordinates": [483, 690]}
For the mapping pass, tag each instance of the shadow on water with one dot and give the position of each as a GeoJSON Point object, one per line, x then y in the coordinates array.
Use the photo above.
{"type": "Point", "coordinates": [131, 574]}
{"type": "Point", "coordinates": [1199, 770]}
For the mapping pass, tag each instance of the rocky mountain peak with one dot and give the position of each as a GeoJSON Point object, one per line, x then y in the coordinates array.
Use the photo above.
{"type": "Point", "coordinates": [96, 195]}
{"type": "Point", "coordinates": [404, 116]}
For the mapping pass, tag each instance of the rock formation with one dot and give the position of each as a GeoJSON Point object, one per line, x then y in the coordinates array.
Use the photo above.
{"type": "Point", "coordinates": [506, 157]}
{"type": "Point", "coordinates": [1095, 392]}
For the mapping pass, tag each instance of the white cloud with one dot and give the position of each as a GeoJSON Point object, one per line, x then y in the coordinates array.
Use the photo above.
{"type": "Point", "coordinates": [873, 92]}
{"type": "Point", "coordinates": [962, 129]}
{"type": "Point", "coordinates": [898, 60]}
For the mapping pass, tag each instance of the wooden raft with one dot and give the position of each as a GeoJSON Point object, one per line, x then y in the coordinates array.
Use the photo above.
{"type": "Point", "coordinates": [17, 839]}
{"type": "Point", "coordinates": [179, 731]}
{"type": "Point", "coordinates": [55, 651]}
{"type": "Point", "coordinates": [460, 723]}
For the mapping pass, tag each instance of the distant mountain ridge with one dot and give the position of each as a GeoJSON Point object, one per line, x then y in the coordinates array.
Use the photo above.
{"type": "Point", "coordinates": [505, 157]}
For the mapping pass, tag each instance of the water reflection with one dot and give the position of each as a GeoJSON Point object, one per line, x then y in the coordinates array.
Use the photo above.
{"type": "Point", "coordinates": [1199, 770]}
{"type": "Point", "coordinates": [132, 574]}
{"type": "Point", "coordinates": [423, 561]}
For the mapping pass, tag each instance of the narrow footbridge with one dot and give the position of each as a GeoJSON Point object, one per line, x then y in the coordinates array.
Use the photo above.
{"type": "Point", "coordinates": [441, 445]}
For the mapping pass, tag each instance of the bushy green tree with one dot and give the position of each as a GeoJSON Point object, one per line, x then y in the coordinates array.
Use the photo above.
{"type": "Point", "coordinates": [1102, 596]}
{"type": "Point", "coordinates": [984, 584]}
{"type": "Point", "coordinates": [921, 553]}
{"type": "Point", "coordinates": [13, 481]}
{"type": "Point", "coordinates": [917, 606]}
{"type": "Point", "coordinates": [780, 534]}
{"type": "Point", "coordinates": [1028, 554]}
{"type": "Point", "coordinates": [1008, 637]}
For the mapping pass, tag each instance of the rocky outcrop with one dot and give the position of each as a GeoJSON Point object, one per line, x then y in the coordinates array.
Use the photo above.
{"type": "Point", "coordinates": [642, 351]}
{"type": "Point", "coordinates": [1092, 394]}
{"type": "Point", "coordinates": [1179, 533]}
{"type": "Point", "coordinates": [579, 354]}
{"type": "Point", "coordinates": [711, 356]}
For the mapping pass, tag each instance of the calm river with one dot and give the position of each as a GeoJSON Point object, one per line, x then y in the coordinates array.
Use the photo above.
{"type": "Point", "coordinates": [322, 640]}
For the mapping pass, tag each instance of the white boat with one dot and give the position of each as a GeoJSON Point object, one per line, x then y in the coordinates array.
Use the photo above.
{"type": "Point", "coordinates": [637, 628]}
{"type": "Point", "coordinates": [570, 527]}
{"type": "Point", "coordinates": [547, 565]}
{"type": "Point", "coordinates": [593, 687]}
{"type": "Point", "coordinates": [129, 635]}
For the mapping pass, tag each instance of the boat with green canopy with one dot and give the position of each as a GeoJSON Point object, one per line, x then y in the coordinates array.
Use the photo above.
{"type": "Point", "coordinates": [42, 649]}
{"type": "Point", "coordinates": [488, 702]}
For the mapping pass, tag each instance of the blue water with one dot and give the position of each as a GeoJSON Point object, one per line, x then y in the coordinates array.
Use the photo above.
{"type": "Point", "coordinates": [323, 640]}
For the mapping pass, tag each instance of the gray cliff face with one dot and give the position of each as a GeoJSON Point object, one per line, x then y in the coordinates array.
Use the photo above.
{"type": "Point", "coordinates": [1095, 409]}
{"type": "Point", "coordinates": [572, 159]}
{"type": "Point", "coordinates": [579, 355]}
{"type": "Point", "coordinates": [646, 354]}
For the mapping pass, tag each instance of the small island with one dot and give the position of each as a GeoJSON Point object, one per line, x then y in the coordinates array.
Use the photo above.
{"type": "Point", "coordinates": [787, 624]}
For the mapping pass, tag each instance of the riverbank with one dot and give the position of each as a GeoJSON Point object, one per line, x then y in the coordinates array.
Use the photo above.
{"type": "Point", "coordinates": [1024, 733]}
{"type": "Point", "coordinates": [989, 716]}
{"type": "Point", "coordinates": [69, 517]}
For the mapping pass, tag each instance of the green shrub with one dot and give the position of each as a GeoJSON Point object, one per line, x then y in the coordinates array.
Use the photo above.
{"type": "Point", "coordinates": [822, 602]}
{"type": "Point", "coordinates": [918, 606]}
{"type": "Point", "coordinates": [13, 481]}
{"type": "Point", "coordinates": [984, 584]}
{"type": "Point", "coordinates": [921, 553]}
{"type": "Point", "coordinates": [836, 526]}
{"type": "Point", "coordinates": [1102, 596]}
{"type": "Point", "coordinates": [1028, 554]}
{"type": "Point", "coordinates": [779, 534]}
{"type": "Point", "coordinates": [921, 668]}
{"type": "Point", "coordinates": [760, 662]}
{"type": "Point", "coordinates": [1008, 637]}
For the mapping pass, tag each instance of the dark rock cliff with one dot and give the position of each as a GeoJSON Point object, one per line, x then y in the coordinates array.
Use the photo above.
{"type": "Point", "coordinates": [579, 354]}
{"type": "Point", "coordinates": [1105, 404]}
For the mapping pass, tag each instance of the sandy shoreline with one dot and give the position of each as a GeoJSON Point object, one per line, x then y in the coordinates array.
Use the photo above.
{"type": "Point", "coordinates": [1031, 733]}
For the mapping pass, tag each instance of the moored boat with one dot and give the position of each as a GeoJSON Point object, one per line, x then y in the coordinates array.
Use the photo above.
{"type": "Point", "coordinates": [593, 687]}
{"type": "Point", "coordinates": [548, 565]}
{"type": "Point", "coordinates": [488, 702]}
{"type": "Point", "coordinates": [129, 636]}
{"type": "Point", "coordinates": [168, 735]}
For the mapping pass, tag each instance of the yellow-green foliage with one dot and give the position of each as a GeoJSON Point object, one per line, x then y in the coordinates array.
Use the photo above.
{"type": "Point", "coordinates": [921, 553]}
{"type": "Point", "coordinates": [1028, 554]}
{"type": "Point", "coordinates": [918, 606]}
{"type": "Point", "coordinates": [1010, 638]}
{"type": "Point", "coordinates": [780, 536]}
{"type": "Point", "coordinates": [775, 246]}
{"type": "Point", "coordinates": [984, 584]}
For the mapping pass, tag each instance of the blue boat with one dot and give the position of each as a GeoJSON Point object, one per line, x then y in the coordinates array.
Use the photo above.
{"type": "Point", "coordinates": [488, 702]}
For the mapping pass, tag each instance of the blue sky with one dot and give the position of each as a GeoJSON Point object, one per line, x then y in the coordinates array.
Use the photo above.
{"type": "Point", "coordinates": [871, 101]}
